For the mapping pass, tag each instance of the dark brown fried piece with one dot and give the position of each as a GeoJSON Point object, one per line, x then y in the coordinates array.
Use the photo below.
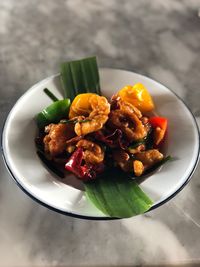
{"type": "Point", "coordinates": [123, 160]}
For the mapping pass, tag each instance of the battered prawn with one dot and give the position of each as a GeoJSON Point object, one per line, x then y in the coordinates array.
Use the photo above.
{"type": "Point", "coordinates": [57, 135]}
{"type": "Point", "coordinates": [93, 153]}
{"type": "Point", "coordinates": [95, 108]}
{"type": "Point", "coordinates": [127, 118]}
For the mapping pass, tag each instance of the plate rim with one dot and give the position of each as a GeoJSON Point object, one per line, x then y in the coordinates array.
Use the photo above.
{"type": "Point", "coordinates": [79, 216]}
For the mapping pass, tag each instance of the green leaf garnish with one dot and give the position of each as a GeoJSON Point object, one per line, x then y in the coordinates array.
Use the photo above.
{"type": "Point", "coordinates": [116, 195]}
{"type": "Point", "coordinates": [80, 76]}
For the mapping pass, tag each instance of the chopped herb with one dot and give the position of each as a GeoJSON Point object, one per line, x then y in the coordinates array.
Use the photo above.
{"type": "Point", "coordinates": [149, 142]}
{"type": "Point", "coordinates": [74, 121]}
{"type": "Point", "coordinates": [136, 144]}
{"type": "Point", "coordinates": [50, 95]}
{"type": "Point", "coordinates": [68, 121]}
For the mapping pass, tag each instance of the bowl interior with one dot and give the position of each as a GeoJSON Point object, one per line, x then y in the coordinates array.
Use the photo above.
{"type": "Point", "coordinates": [182, 144]}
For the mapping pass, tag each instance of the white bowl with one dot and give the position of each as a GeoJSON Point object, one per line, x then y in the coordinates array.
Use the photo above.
{"type": "Point", "coordinates": [34, 178]}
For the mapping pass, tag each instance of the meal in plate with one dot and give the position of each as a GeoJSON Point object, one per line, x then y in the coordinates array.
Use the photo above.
{"type": "Point", "coordinates": [105, 142]}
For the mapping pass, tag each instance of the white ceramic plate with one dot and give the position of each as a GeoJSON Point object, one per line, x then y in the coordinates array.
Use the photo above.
{"type": "Point", "coordinates": [34, 178]}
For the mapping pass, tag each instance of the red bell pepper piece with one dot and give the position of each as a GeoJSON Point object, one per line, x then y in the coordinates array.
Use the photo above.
{"type": "Point", "coordinates": [159, 125]}
{"type": "Point", "coordinates": [158, 122]}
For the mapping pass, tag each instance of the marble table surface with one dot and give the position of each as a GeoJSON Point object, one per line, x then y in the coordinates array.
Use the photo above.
{"type": "Point", "coordinates": [160, 39]}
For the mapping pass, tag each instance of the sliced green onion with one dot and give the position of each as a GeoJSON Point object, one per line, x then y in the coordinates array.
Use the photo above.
{"type": "Point", "coordinates": [116, 195]}
{"type": "Point", "coordinates": [136, 144]}
{"type": "Point", "coordinates": [68, 121]}
{"type": "Point", "coordinates": [80, 76]}
{"type": "Point", "coordinates": [86, 120]}
{"type": "Point", "coordinates": [149, 142]}
{"type": "Point", "coordinates": [50, 94]}
{"type": "Point", "coordinates": [75, 121]}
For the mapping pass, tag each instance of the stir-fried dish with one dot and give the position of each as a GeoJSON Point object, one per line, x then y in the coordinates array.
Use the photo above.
{"type": "Point", "coordinates": [100, 133]}
{"type": "Point", "coordinates": [90, 135]}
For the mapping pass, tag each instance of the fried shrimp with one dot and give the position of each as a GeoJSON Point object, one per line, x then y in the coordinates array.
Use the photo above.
{"type": "Point", "coordinates": [127, 118]}
{"type": "Point", "coordinates": [95, 108]}
{"type": "Point", "coordinates": [57, 135]}
{"type": "Point", "coordinates": [149, 157]}
{"type": "Point", "coordinates": [93, 153]}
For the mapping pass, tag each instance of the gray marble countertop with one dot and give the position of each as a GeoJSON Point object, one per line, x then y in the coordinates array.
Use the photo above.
{"type": "Point", "coordinates": [160, 39]}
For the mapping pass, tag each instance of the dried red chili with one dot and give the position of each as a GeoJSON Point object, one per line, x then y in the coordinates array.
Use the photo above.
{"type": "Point", "coordinates": [84, 172]}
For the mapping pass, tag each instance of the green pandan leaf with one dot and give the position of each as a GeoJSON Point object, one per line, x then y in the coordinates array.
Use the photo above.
{"type": "Point", "coordinates": [80, 76]}
{"type": "Point", "coordinates": [116, 195]}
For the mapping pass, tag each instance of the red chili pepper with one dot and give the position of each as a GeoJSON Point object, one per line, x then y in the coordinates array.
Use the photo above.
{"type": "Point", "coordinates": [158, 122]}
{"type": "Point", "coordinates": [84, 172]}
{"type": "Point", "coordinates": [74, 163]}
{"type": "Point", "coordinates": [109, 139]}
{"type": "Point", "coordinates": [113, 139]}
{"type": "Point", "coordinates": [159, 125]}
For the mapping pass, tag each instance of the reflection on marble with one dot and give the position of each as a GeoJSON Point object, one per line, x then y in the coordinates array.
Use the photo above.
{"type": "Point", "coordinates": [160, 39]}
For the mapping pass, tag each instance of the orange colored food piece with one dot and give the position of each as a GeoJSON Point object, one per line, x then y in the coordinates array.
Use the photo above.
{"type": "Point", "coordinates": [138, 96]}
{"type": "Point", "coordinates": [81, 105]}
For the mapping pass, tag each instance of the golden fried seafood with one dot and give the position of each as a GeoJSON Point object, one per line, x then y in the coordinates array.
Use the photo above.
{"type": "Point", "coordinates": [95, 108]}
{"type": "Point", "coordinates": [93, 153]}
{"type": "Point", "coordinates": [127, 118]}
{"type": "Point", "coordinates": [81, 105]}
{"type": "Point", "coordinates": [98, 135]}
{"type": "Point", "coordinates": [149, 157]}
{"type": "Point", "coordinates": [57, 135]}
{"type": "Point", "coordinates": [145, 160]}
{"type": "Point", "coordinates": [138, 167]}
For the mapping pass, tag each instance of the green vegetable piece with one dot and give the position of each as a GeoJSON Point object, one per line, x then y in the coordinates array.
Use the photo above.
{"type": "Point", "coordinates": [53, 113]}
{"type": "Point", "coordinates": [50, 95]}
{"type": "Point", "coordinates": [116, 195]}
{"type": "Point", "coordinates": [136, 144]}
{"type": "Point", "coordinates": [149, 142]}
{"type": "Point", "coordinates": [74, 121]}
{"type": "Point", "coordinates": [80, 76]}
